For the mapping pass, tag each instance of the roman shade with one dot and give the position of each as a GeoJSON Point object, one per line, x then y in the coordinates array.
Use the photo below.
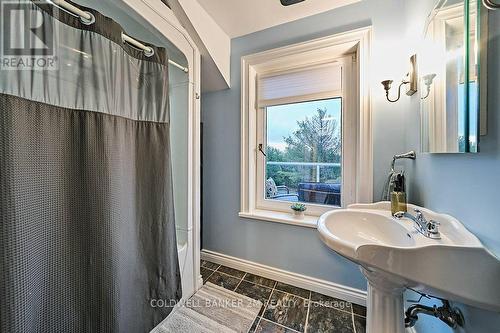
{"type": "Point", "coordinates": [299, 85]}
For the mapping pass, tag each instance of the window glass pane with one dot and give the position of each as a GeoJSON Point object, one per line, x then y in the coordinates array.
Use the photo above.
{"type": "Point", "coordinates": [304, 152]}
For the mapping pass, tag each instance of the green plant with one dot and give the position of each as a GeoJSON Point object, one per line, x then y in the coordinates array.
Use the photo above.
{"type": "Point", "coordinates": [298, 207]}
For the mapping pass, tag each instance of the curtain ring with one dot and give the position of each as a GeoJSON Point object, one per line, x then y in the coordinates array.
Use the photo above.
{"type": "Point", "coordinates": [490, 4]}
{"type": "Point", "coordinates": [89, 21]}
{"type": "Point", "coordinates": [149, 51]}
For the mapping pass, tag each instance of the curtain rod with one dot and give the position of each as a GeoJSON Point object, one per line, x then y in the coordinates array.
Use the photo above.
{"type": "Point", "coordinates": [88, 18]}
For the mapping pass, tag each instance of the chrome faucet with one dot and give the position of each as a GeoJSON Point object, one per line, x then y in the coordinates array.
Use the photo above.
{"type": "Point", "coordinates": [429, 228]}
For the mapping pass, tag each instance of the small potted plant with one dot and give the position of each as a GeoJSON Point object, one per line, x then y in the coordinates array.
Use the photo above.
{"type": "Point", "coordinates": [298, 210]}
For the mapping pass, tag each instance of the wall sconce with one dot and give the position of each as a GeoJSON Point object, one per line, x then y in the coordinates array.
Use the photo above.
{"type": "Point", "coordinates": [427, 79]}
{"type": "Point", "coordinates": [411, 79]}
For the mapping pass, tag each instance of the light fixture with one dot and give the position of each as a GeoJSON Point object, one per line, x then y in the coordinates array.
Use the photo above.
{"type": "Point", "coordinates": [427, 79]}
{"type": "Point", "coordinates": [290, 2]}
{"type": "Point", "coordinates": [411, 80]}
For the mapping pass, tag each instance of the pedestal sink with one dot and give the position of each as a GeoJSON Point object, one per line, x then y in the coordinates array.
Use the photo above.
{"type": "Point", "coordinates": [393, 256]}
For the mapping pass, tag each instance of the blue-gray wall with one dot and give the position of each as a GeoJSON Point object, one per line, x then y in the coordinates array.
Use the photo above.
{"type": "Point", "coordinates": [293, 248]}
{"type": "Point", "coordinates": [395, 129]}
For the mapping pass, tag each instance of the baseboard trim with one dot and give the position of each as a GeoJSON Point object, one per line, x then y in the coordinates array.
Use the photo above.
{"type": "Point", "coordinates": [328, 288]}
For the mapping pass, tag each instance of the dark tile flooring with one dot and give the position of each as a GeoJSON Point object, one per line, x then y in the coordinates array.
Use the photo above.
{"type": "Point", "coordinates": [288, 309]}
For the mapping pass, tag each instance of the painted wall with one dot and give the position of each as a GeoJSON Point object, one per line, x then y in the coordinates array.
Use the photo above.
{"type": "Point", "coordinates": [465, 186]}
{"type": "Point", "coordinates": [293, 248]}
{"type": "Point", "coordinates": [213, 43]}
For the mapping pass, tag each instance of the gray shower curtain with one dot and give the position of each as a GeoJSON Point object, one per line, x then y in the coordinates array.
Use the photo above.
{"type": "Point", "coordinates": [87, 232]}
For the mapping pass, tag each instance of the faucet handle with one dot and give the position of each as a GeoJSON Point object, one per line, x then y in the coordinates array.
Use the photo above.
{"type": "Point", "coordinates": [419, 214]}
{"type": "Point", "coordinates": [432, 226]}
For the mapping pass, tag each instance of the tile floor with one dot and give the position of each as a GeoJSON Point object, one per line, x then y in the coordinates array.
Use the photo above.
{"type": "Point", "coordinates": [288, 309]}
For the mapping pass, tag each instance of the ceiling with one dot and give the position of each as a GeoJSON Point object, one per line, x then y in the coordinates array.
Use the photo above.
{"type": "Point", "coordinates": [241, 17]}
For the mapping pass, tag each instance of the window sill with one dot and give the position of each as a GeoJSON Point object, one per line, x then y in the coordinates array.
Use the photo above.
{"type": "Point", "coordinates": [308, 221]}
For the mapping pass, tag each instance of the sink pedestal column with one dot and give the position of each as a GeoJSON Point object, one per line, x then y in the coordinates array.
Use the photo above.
{"type": "Point", "coordinates": [385, 305]}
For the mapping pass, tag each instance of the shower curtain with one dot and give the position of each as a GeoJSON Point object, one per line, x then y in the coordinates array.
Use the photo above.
{"type": "Point", "coordinates": [87, 233]}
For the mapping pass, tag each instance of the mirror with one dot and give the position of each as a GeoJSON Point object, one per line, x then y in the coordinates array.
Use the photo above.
{"type": "Point", "coordinates": [450, 94]}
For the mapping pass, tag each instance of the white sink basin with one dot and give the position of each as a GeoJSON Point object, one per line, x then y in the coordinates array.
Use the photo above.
{"type": "Point", "coordinates": [394, 255]}
{"type": "Point", "coordinates": [347, 230]}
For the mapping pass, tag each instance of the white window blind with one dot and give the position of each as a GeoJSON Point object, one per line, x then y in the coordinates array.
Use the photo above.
{"type": "Point", "coordinates": [312, 83]}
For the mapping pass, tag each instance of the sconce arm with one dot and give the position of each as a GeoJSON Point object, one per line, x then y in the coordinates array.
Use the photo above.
{"type": "Point", "coordinates": [399, 92]}
{"type": "Point", "coordinates": [428, 92]}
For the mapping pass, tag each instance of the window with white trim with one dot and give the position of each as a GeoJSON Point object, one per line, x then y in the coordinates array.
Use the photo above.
{"type": "Point", "coordinates": [301, 139]}
{"type": "Point", "coordinates": [304, 129]}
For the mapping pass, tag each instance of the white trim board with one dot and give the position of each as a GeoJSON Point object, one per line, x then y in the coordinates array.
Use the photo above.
{"type": "Point", "coordinates": [309, 53]}
{"type": "Point", "coordinates": [328, 288]}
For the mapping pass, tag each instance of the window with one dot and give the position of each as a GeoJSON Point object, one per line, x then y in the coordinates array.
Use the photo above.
{"type": "Point", "coordinates": [301, 140]}
{"type": "Point", "coordinates": [305, 124]}
{"type": "Point", "coordinates": [303, 160]}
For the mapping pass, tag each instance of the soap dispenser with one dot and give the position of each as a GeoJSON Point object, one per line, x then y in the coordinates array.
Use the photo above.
{"type": "Point", "coordinates": [398, 195]}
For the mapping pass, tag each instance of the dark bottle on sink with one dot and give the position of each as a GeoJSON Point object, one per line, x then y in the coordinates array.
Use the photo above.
{"type": "Point", "coordinates": [398, 195]}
